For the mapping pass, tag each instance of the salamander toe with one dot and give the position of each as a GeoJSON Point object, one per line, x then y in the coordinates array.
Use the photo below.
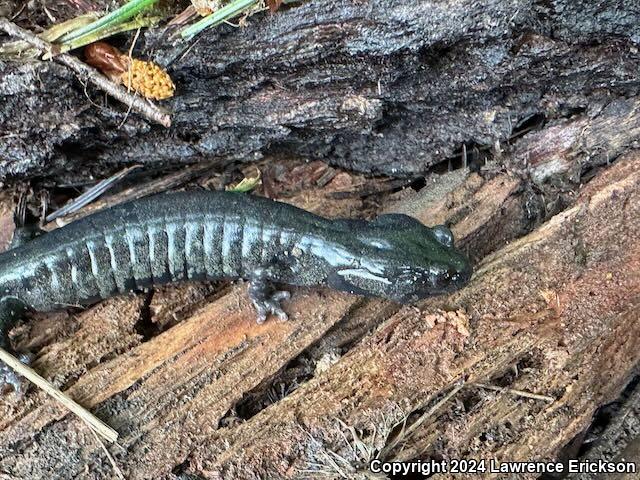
{"type": "Point", "coordinates": [270, 304]}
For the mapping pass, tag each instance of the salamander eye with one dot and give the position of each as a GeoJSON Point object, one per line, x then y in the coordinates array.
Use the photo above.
{"type": "Point", "coordinates": [443, 235]}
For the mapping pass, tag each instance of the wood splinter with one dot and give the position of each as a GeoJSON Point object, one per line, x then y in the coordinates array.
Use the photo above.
{"type": "Point", "coordinates": [97, 425]}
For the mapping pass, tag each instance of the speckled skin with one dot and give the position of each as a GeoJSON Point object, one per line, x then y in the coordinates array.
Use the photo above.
{"type": "Point", "coordinates": [212, 235]}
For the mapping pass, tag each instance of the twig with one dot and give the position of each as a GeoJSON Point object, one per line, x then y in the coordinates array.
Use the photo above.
{"type": "Point", "coordinates": [414, 426]}
{"type": "Point", "coordinates": [87, 73]}
{"type": "Point", "coordinates": [90, 195]}
{"type": "Point", "coordinates": [129, 75]}
{"type": "Point", "coordinates": [101, 428]}
{"type": "Point", "coordinates": [158, 185]}
{"type": "Point", "coordinates": [519, 393]}
{"type": "Point", "coordinates": [112, 460]}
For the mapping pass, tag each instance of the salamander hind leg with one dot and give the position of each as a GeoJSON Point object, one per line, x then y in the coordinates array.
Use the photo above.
{"type": "Point", "coordinates": [11, 310]}
{"type": "Point", "coordinates": [265, 299]}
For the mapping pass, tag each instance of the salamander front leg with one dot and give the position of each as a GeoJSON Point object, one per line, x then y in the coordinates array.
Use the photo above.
{"type": "Point", "coordinates": [11, 310]}
{"type": "Point", "coordinates": [265, 298]}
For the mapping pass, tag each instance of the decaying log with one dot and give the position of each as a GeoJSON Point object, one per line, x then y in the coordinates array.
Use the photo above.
{"type": "Point", "coordinates": [553, 314]}
{"type": "Point", "coordinates": [384, 86]}
{"type": "Point", "coordinates": [197, 390]}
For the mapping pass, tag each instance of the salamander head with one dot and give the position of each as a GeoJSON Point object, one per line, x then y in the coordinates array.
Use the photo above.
{"type": "Point", "coordinates": [403, 260]}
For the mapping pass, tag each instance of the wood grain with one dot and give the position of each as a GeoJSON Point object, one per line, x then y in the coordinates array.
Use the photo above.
{"type": "Point", "coordinates": [551, 313]}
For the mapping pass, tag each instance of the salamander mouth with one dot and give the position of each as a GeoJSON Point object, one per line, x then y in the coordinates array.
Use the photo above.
{"type": "Point", "coordinates": [457, 280]}
{"type": "Point", "coordinates": [447, 282]}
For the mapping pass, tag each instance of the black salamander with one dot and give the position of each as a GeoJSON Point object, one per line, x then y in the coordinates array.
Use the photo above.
{"type": "Point", "coordinates": [203, 235]}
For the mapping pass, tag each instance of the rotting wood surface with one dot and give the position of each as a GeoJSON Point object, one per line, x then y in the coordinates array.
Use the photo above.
{"type": "Point", "coordinates": [197, 390]}
{"type": "Point", "coordinates": [554, 313]}
{"type": "Point", "coordinates": [195, 387]}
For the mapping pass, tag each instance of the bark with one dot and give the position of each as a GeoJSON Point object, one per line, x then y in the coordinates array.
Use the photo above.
{"type": "Point", "coordinates": [619, 438]}
{"type": "Point", "coordinates": [388, 86]}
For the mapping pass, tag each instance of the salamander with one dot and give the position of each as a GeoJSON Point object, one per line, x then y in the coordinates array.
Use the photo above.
{"type": "Point", "coordinates": [204, 235]}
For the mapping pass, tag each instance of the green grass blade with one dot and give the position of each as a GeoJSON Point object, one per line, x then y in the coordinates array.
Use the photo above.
{"type": "Point", "coordinates": [144, 22]}
{"type": "Point", "coordinates": [119, 15]}
{"type": "Point", "coordinates": [225, 13]}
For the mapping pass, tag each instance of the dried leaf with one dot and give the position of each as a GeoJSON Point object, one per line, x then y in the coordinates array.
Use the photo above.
{"type": "Point", "coordinates": [246, 184]}
{"type": "Point", "coordinates": [206, 7]}
{"type": "Point", "coordinates": [105, 57]}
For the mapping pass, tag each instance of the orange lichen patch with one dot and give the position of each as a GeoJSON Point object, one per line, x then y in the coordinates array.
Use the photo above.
{"type": "Point", "coordinates": [148, 79]}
